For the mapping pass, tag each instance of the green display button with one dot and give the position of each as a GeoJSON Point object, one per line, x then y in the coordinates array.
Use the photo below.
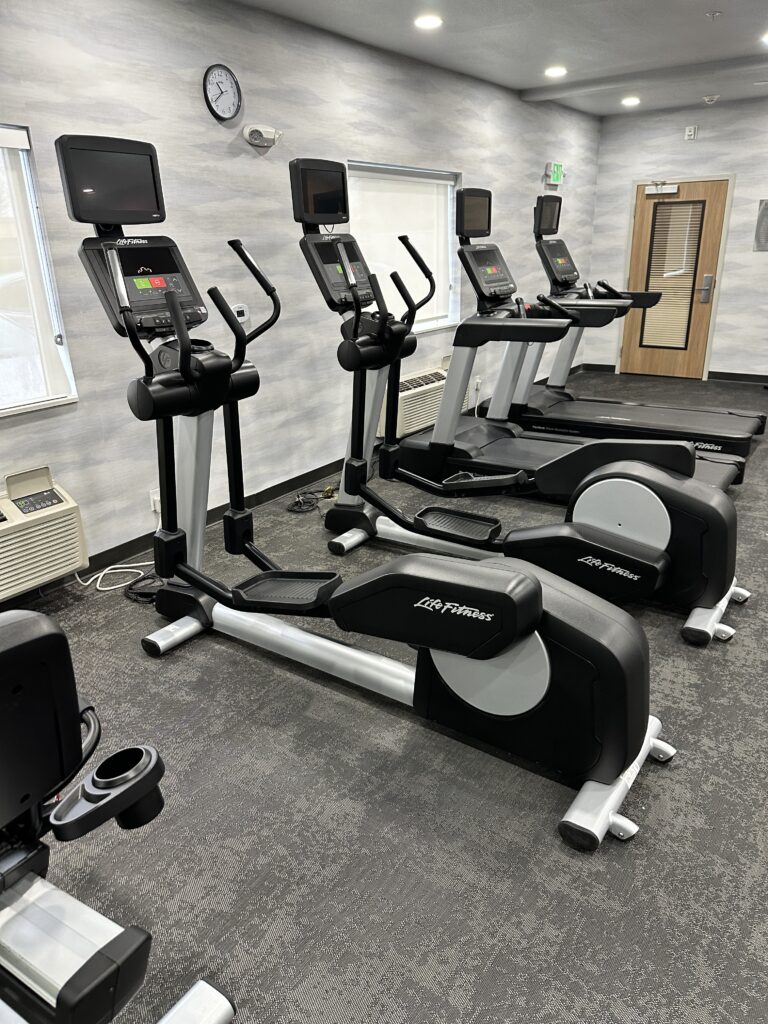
{"type": "Point", "coordinates": [142, 282]}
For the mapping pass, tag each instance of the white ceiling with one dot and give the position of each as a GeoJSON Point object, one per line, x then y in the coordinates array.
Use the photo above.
{"type": "Point", "coordinates": [665, 51]}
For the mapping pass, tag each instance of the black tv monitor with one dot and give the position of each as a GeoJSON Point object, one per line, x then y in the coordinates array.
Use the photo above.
{"type": "Point", "coordinates": [546, 215]}
{"type": "Point", "coordinates": [110, 181]}
{"type": "Point", "coordinates": [319, 190]}
{"type": "Point", "coordinates": [473, 212]}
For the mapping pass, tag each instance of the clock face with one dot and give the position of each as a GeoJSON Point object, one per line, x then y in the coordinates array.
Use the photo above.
{"type": "Point", "coordinates": [222, 92]}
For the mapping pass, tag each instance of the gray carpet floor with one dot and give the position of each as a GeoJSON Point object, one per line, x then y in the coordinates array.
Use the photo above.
{"type": "Point", "coordinates": [327, 859]}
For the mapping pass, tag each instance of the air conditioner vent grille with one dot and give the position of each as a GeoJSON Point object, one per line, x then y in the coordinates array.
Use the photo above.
{"type": "Point", "coordinates": [420, 396]}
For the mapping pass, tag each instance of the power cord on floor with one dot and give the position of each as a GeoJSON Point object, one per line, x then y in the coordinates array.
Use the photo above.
{"type": "Point", "coordinates": [141, 586]}
{"type": "Point", "coordinates": [309, 501]}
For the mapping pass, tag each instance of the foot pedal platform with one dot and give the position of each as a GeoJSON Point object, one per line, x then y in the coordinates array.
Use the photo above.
{"type": "Point", "coordinates": [288, 592]}
{"type": "Point", "coordinates": [465, 481]}
{"type": "Point", "coordinates": [458, 526]}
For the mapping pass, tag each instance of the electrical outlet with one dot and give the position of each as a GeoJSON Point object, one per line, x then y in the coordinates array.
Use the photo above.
{"type": "Point", "coordinates": [154, 499]}
{"type": "Point", "coordinates": [445, 362]}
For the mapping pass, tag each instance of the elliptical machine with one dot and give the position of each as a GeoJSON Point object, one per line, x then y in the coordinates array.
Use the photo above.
{"type": "Point", "coordinates": [60, 961]}
{"type": "Point", "coordinates": [507, 655]}
{"type": "Point", "coordinates": [632, 531]}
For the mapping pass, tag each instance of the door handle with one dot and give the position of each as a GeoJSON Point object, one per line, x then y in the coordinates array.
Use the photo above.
{"type": "Point", "coordinates": [708, 283]}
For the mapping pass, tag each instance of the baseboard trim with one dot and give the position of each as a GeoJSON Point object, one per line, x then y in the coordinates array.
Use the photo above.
{"type": "Point", "coordinates": [739, 378]}
{"type": "Point", "coordinates": [118, 554]}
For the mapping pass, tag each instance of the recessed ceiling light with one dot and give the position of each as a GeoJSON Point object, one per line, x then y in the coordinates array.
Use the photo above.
{"type": "Point", "coordinates": [428, 22]}
{"type": "Point", "coordinates": [630, 101]}
{"type": "Point", "coordinates": [557, 71]}
{"type": "Point", "coordinates": [764, 39]}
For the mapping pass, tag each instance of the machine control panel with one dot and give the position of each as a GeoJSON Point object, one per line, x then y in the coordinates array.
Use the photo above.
{"type": "Point", "coordinates": [557, 261]}
{"type": "Point", "coordinates": [151, 267]}
{"type": "Point", "coordinates": [488, 272]}
{"type": "Point", "coordinates": [321, 253]}
{"type": "Point", "coordinates": [36, 502]}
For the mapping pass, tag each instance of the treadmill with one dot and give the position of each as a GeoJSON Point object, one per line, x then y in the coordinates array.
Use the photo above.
{"type": "Point", "coordinates": [465, 454]}
{"type": "Point", "coordinates": [551, 407]}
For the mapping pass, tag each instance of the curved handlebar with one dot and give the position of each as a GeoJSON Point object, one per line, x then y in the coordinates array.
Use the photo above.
{"type": "Point", "coordinates": [241, 339]}
{"type": "Point", "coordinates": [349, 277]}
{"type": "Point", "coordinates": [173, 303]}
{"type": "Point", "coordinates": [264, 282]}
{"type": "Point", "coordinates": [406, 296]}
{"type": "Point", "coordinates": [611, 290]}
{"type": "Point", "coordinates": [566, 314]}
{"type": "Point", "coordinates": [129, 320]}
{"type": "Point", "coordinates": [417, 258]}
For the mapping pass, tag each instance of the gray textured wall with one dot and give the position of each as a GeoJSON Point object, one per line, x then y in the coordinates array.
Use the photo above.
{"type": "Point", "coordinates": [136, 70]}
{"type": "Point", "coordinates": [733, 139]}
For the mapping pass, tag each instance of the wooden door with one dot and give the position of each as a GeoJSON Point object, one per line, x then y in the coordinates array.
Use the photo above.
{"type": "Point", "coordinates": [675, 250]}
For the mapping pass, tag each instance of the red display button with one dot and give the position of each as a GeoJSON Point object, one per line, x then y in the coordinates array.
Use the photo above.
{"type": "Point", "coordinates": [157, 282]}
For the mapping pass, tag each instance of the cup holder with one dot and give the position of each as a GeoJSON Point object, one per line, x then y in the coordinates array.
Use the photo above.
{"type": "Point", "coordinates": [125, 786]}
{"type": "Point", "coordinates": [121, 767]}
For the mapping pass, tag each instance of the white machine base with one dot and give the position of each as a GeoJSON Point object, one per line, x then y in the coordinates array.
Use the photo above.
{"type": "Point", "coordinates": [705, 624]}
{"type": "Point", "coordinates": [595, 811]}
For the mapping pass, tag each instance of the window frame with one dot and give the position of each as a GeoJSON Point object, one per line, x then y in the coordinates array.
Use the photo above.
{"type": "Point", "coordinates": [454, 181]}
{"type": "Point", "coordinates": [53, 351]}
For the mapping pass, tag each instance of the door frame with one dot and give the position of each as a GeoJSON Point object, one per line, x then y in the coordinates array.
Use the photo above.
{"type": "Point", "coordinates": [676, 179]}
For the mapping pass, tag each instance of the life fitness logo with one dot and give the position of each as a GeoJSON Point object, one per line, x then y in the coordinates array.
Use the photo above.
{"type": "Point", "coordinates": [434, 604]}
{"type": "Point", "coordinates": [131, 241]}
{"type": "Point", "coordinates": [707, 446]}
{"type": "Point", "coordinates": [597, 563]}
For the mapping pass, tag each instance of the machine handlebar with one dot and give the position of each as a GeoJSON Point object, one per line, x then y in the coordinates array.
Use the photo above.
{"type": "Point", "coordinates": [266, 285]}
{"type": "Point", "coordinates": [349, 277]}
{"type": "Point", "coordinates": [567, 314]}
{"type": "Point", "coordinates": [611, 290]}
{"type": "Point", "coordinates": [418, 259]}
{"type": "Point", "coordinates": [129, 320]}
{"type": "Point", "coordinates": [173, 302]}
{"type": "Point", "coordinates": [242, 340]}
{"type": "Point", "coordinates": [407, 298]}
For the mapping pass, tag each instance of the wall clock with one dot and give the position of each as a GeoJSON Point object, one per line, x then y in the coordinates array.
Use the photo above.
{"type": "Point", "coordinates": [222, 92]}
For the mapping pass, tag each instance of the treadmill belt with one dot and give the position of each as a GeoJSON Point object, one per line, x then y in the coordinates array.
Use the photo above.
{"type": "Point", "coordinates": [655, 418]}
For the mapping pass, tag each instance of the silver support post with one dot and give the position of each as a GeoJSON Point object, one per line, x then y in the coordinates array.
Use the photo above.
{"type": "Point", "coordinates": [509, 371]}
{"type": "Point", "coordinates": [375, 389]}
{"type": "Point", "coordinates": [456, 383]}
{"type": "Point", "coordinates": [704, 624]}
{"type": "Point", "coordinates": [203, 1004]}
{"type": "Point", "coordinates": [595, 811]}
{"type": "Point", "coordinates": [194, 440]}
{"type": "Point", "coordinates": [564, 357]}
{"type": "Point", "coordinates": [362, 668]}
{"type": "Point", "coordinates": [531, 361]}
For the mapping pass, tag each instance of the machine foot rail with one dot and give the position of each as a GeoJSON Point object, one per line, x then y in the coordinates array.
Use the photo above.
{"type": "Point", "coordinates": [596, 809]}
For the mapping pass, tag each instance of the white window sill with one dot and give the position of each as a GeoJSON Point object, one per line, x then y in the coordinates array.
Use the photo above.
{"type": "Point", "coordinates": [46, 403]}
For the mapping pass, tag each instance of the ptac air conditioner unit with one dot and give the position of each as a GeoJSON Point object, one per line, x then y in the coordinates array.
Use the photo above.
{"type": "Point", "coordinates": [420, 397]}
{"type": "Point", "coordinates": [41, 533]}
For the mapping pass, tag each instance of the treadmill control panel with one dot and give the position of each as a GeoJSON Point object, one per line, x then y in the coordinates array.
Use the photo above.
{"type": "Point", "coordinates": [557, 261]}
{"type": "Point", "coordinates": [322, 255]}
{"type": "Point", "coordinates": [38, 501]}
{"type": "Point", "coordinates": [487, 271]}
{"type": "Point", "coordinates": [151, 267]}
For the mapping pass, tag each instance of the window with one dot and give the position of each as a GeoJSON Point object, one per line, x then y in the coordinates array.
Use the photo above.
{"type": "Point", "coordinates": [34, 364]}
{"type": "Point", "coordinates": [389, 201]}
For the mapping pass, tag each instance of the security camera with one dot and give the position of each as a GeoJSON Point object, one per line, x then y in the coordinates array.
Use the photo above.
{"type": "Point", "coordinates": [261, 136]}
{"type": "Point", "coordinates": [709, 100]}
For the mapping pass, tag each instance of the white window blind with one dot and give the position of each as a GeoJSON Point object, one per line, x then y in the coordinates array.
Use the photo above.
{"type": "Point", "coordinates": [34, 364]}
{"type": "Point", "coordinates": [672, 264]}
{"type": "Point", "coordinates": [389, 201]}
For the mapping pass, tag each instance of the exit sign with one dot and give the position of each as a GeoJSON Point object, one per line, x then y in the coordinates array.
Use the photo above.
{"type": "Point", "coordinates": [554, 173]}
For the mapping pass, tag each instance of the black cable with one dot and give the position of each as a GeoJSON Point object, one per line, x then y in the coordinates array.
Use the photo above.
{"type": "Point", "coordinates": [309, 501]}
{"type": "Point", "coordinates": [144, 589]}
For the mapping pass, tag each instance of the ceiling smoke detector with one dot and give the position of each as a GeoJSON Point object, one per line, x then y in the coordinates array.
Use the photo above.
{"type": "Point", "coordinates": [712, 15]}
{"type": "Point", "coordinates": [709, 100]}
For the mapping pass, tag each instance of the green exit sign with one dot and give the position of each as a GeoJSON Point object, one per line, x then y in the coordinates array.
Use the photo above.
{"type": "Point", "coordinates": [555, 173]}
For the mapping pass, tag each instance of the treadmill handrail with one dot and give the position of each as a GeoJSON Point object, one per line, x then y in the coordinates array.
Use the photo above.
{"type": "Point", "coordinates": [477, 330]}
